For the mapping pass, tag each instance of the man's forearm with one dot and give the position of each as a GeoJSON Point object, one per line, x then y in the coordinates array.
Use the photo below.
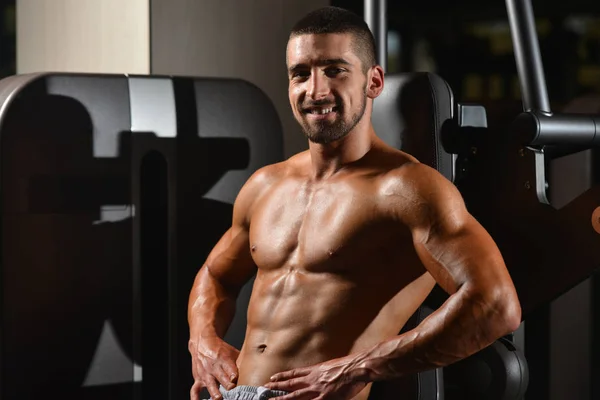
{"type": "Point", "coordinates": [464, 325]}
{"type": "Point", "coordinates": [211, 307]}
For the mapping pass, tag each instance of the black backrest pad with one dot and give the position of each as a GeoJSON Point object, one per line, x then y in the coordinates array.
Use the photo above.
{"type": "Point", "coordinates": [87, 163]}
{"type": "Point", "coordinates": [411, 114]}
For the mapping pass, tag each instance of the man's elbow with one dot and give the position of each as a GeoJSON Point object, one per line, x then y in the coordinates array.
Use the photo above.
{"type": "Point", "coordinates": [508, 311]}
{"type": "Point", "coordinates": [501, 309]}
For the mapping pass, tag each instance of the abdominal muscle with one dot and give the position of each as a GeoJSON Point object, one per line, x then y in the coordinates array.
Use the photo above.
{"type": "Point", "coordinates": [299, 319]}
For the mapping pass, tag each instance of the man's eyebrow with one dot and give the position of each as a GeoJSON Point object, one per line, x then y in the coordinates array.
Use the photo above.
{"type": "Point", "coordinates": [320, 63]}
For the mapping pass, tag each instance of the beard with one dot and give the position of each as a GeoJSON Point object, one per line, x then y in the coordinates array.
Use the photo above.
{"type": "Point", "coordinates": [325, 132]}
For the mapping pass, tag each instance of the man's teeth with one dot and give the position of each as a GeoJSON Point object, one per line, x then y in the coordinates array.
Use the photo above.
{"type": "Point", "coordinates": [323, 111]}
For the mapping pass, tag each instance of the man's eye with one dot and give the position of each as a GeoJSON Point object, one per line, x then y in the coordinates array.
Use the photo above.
{"type": "Point", "coordinates": [333, 71]}
{"type": "Point", "coordinates": [300, 75]}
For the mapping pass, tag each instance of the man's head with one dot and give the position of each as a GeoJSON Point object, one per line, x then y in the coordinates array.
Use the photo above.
{"type": "Point", "coordinates": [333, 74]}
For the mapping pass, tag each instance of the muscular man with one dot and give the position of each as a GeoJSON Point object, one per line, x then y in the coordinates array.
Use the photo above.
{"type": "Point", "coordinates": [346, 240]}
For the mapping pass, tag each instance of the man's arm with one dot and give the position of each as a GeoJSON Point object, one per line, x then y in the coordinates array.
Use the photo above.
{"type": "Point", "coordinates": [212, 299]}
{"type": "Point", "coordinates": [464, 260]}
{"type": "Point", "coordinates": [213, 295]}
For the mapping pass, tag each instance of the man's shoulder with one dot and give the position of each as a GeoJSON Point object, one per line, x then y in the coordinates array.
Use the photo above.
{"type": "Point", "coordinates": [403, 176]}
{"type": "Point", "coordinates": [414, 172]}
{"type": "Point", "coordinates": [268, 175]}
{"type": "Point", "coordinates": [276, 171]}
{"type": "Point", "coordinates": [418, 194]}
{"type": "Point", "coordinates": [397, 167]}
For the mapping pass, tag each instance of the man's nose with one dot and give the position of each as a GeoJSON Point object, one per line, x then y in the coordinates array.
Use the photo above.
{"type": "Point", "coordinates": [318, 87]}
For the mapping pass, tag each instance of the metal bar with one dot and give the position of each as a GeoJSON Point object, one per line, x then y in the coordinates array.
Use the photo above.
{"type": "Point", "coordinates": [536, 128]}
{"type": "Point", "coordinates": [376, 18]}
{"type": "Point", "coordinates": [527, 55]}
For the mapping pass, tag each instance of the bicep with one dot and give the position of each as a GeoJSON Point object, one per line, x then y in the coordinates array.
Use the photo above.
{"type": "Point", "coordinates": [458, 254]}
{"type": "Point", "coordinates": [453, 246]}
{"type": "Point", "coordinates": [230, 262]}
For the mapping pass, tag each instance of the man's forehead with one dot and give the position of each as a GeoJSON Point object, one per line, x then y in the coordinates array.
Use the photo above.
{"type": "Point", "coordinates": [312, 48]}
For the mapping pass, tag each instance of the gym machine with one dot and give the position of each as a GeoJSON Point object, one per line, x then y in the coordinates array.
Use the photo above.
{"type": "Point", "coordinates": [502, 178]}
{"type": "Point", "coordinates": [114, 188]}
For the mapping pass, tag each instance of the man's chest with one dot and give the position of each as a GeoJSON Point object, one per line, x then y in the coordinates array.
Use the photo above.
{"type": "Point", "coordinates": [318, 231]}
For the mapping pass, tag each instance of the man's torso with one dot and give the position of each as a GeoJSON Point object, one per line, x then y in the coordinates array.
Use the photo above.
{"type": "Point", "coordinates": [337, 271]}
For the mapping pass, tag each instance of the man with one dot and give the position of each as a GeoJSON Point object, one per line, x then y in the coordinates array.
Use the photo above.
{"type": "Point", "coordinates": [346, 239]}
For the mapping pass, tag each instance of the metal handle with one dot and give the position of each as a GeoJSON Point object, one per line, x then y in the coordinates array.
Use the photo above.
{"type": "Point", "coordinates": [376, 18]}
{"type": "Point", "coordinates": [527, 56]}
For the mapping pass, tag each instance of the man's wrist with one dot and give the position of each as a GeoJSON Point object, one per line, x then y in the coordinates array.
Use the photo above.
{"type": "Point", "coordinates": [360, 370]}
{"type": "Point", "coordinates": [382, 362]}
{"type": "Point", "coordinates": [198, 338]}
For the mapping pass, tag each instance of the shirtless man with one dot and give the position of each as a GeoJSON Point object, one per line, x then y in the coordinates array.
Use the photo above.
{"type": "Point", "coordinates": [346, 239]}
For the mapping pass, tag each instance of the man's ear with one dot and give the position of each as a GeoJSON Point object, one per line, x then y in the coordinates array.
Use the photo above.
{"type": "Point", "coordinates": [375, 81]}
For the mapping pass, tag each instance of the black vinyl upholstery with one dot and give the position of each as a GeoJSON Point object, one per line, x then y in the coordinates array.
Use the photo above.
{"type": "Point", "coordinates": [412, 113]}
{"type": "Point", "coordinates": [113, 190]}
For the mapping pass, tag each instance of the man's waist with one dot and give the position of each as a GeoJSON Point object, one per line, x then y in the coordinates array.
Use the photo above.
{"type": "Point", "coordinates": [256, 368]}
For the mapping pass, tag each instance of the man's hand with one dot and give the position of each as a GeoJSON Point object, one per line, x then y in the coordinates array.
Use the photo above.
{"type": "Point", "coordinates": [338, 379]}
{"type": "Point", "coordinates": [213, 363]}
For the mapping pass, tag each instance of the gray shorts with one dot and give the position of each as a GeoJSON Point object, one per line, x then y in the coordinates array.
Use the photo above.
{"type": "Point", "coordinates": [250, 393]}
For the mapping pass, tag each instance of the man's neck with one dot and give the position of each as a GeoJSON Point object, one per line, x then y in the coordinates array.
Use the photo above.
{"type": "Point", "coordinates": [327, 159]}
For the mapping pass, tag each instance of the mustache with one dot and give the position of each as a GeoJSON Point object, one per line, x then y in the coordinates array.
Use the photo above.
{"type": "Point", "coordinates": [322, 103]}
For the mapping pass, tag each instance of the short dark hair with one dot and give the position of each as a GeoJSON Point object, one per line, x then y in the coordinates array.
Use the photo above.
{"type": "Point", "coordinates": [338, 20]}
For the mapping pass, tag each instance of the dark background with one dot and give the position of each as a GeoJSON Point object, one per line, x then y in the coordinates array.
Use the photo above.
{"type": "Point", "coordinates": [468, 43]}
{"type": "Point", "coordinates": [8, 39]}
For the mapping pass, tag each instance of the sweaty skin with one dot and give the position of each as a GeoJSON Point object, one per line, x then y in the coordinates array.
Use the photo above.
{"type": "Point", "coordinates": [346, 240]}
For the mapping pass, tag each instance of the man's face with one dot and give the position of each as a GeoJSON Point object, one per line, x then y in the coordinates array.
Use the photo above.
{"type": "Point", "coordinates": [327, 85]}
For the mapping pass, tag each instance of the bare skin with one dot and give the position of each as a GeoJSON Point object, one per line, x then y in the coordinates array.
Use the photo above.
{"type": "Point", "coordinates": [346, 240]}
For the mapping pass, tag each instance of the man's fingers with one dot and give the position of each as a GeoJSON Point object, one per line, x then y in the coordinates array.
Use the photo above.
{"type": "Point", "coordinates": [304, 394]}
{"type": "Point", "coordinates": [289, 385]}
{"type": "Point", "coordinates": [295, 373]}
{"type": "Point", "coordinates": [226, 379]}
{"type": "Point", "coordinates": [231, 371]}
{"type": "Point", "coordinates": [213, 389]}
{"type": "Point", "coordinates": [195, 391]}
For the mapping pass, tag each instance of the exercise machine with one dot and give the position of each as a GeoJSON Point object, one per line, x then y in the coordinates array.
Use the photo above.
{"type": "Point", "coordinates": [502, 178]}
{"type": "Point", "coordinates": [114, 189]}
